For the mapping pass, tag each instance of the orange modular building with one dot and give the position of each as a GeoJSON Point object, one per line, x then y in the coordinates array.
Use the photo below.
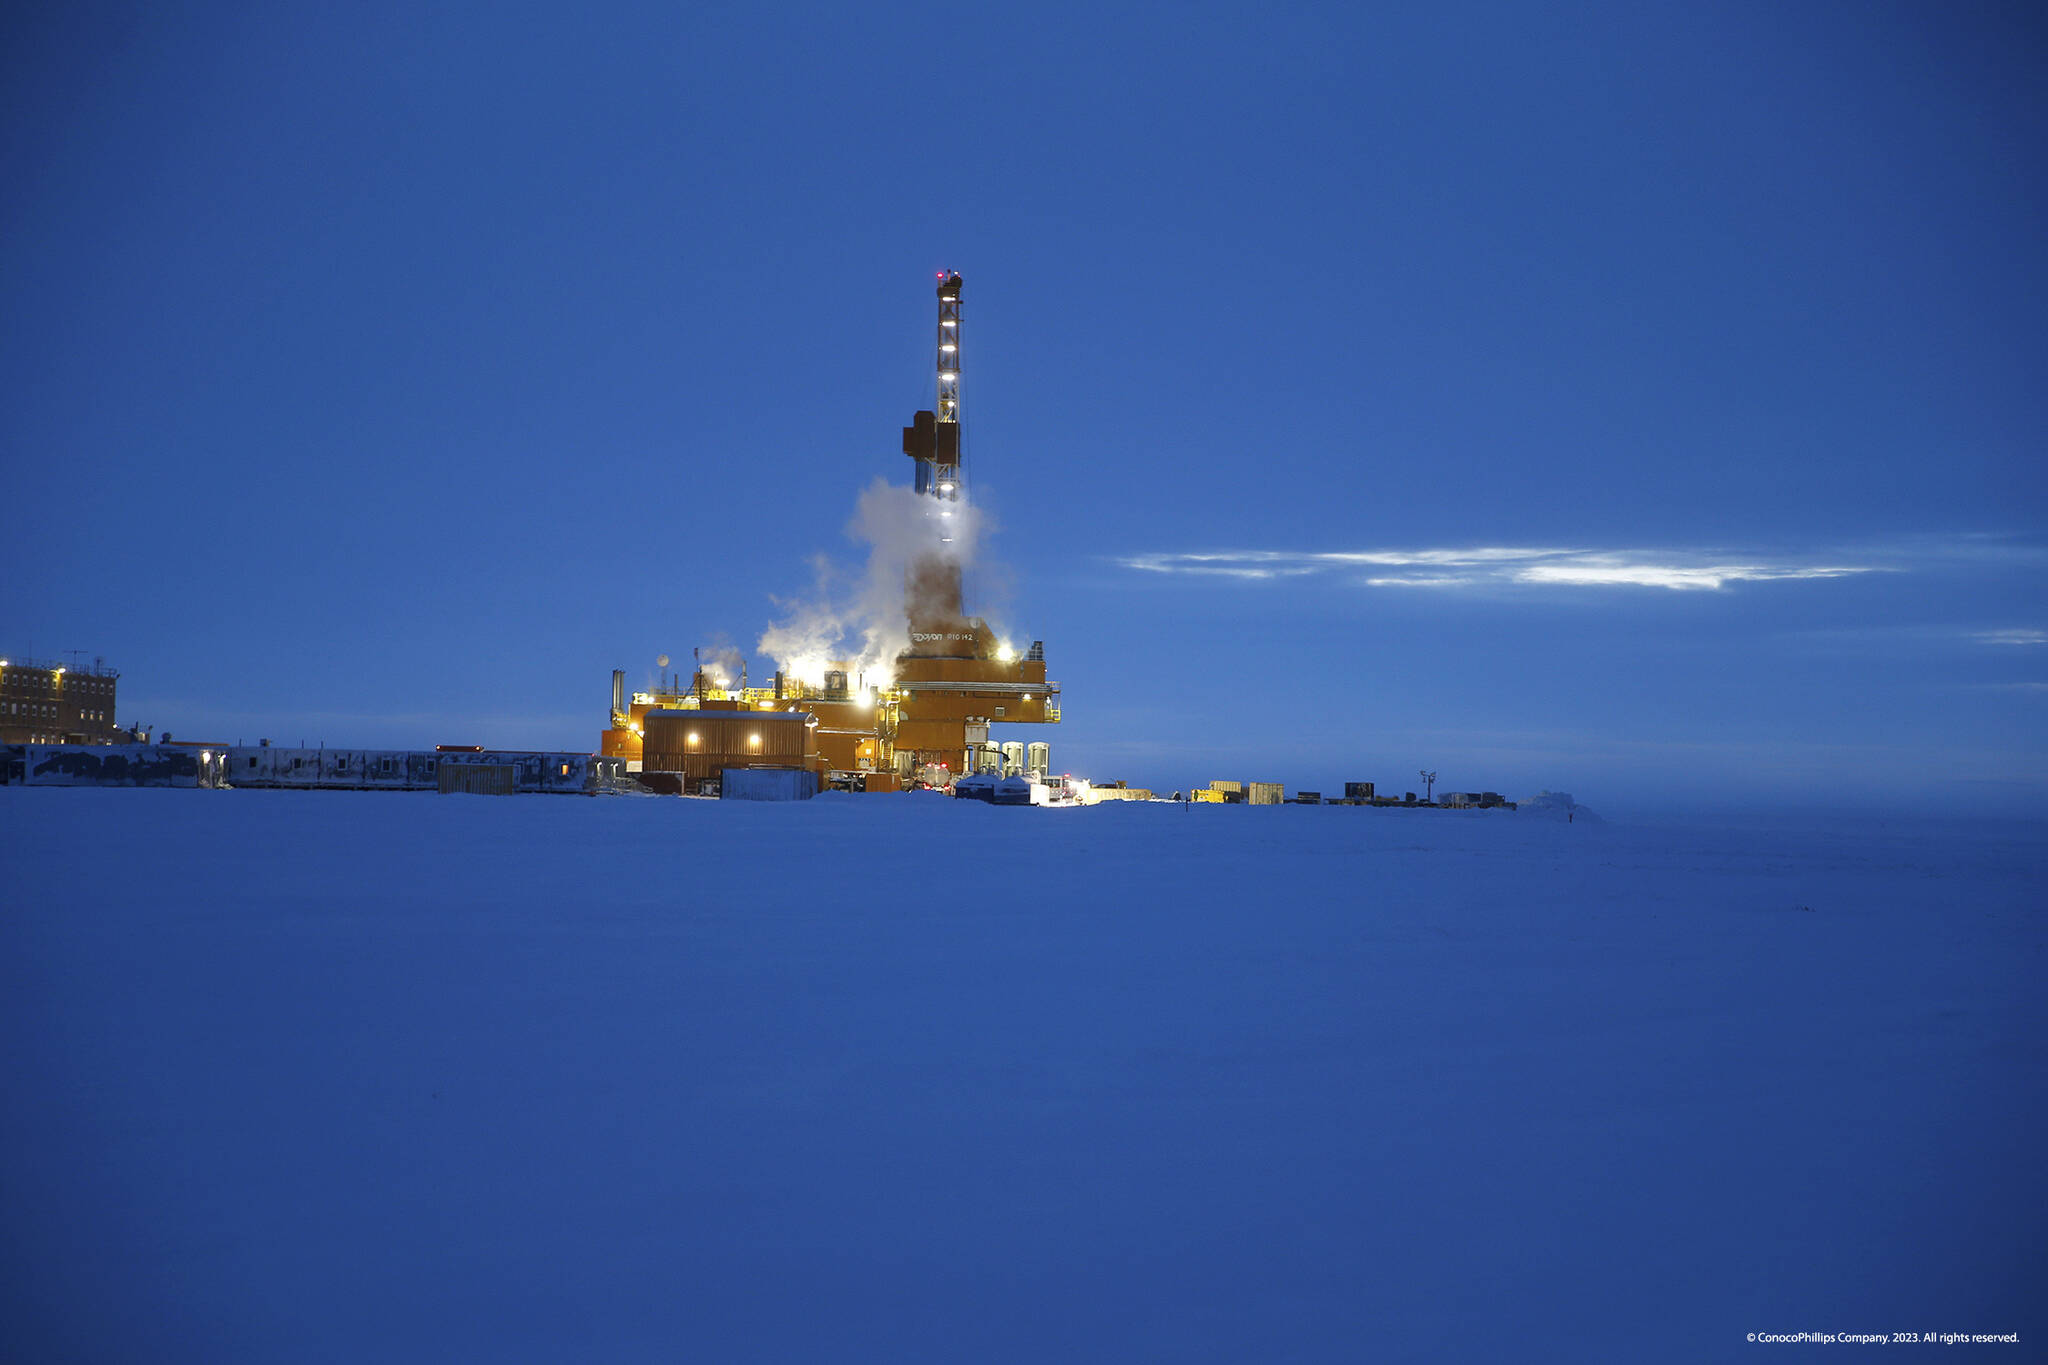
{"type": "Point", "coordinates": [937, 711]}
{"type": "Point", "coordinates": [699, 745]}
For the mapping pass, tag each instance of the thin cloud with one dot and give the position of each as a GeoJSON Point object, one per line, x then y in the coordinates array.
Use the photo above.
{"type": "Point", "coordinates": [1620, 571]}
{"type": "Point", "coordinates": [1418, 581]}
{"type": "Point", "coordinates": [1498, 565]}
{"type": "Point", "coordinates": [1295, 564]}
{"type": "Point", "coordinates": [2012, 637]}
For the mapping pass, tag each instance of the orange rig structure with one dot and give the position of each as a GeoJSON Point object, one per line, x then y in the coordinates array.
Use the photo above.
{"type": "Point", "coordinates": [928, 720]}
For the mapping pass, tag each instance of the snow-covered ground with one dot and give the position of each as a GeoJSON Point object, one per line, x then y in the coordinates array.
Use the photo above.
{"type": "Point", "coordinates": [341, 1077]}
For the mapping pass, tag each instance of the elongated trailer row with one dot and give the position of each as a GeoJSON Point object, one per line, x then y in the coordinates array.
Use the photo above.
{"type": "Point", "coordinates": [316, 769]}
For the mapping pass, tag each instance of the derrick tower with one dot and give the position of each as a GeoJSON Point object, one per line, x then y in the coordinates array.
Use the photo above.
{"type": "Point", "coordinates": [938, 620]}
{"type": "Point", "coordinates": [947, 444]}
{"type": "Point", "coordinates": [933, 438]}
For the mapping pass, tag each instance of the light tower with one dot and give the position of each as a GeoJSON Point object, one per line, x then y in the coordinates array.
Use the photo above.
{"type": "Point", "coordinates": [931, 581]}
{"type": "Point", "coordinates": [947, 446]}
{"type": "Point", "coordinates": [933, 438]}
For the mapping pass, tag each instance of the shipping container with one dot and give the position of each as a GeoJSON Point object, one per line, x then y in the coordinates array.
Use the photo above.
{"type": "Point", "coordinates": [1263, 793]}
{"type": "Point", "coordinates": [478, 779]}
{"type": "Point", "coordinates": [768, 784]}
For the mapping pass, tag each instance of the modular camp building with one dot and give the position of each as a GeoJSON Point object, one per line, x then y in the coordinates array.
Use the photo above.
{"type": "Point", "coordinates": [697, 746]}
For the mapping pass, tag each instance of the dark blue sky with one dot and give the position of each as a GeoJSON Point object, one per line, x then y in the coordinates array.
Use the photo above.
{"type": "Point", "coordinates": [1645, 401]}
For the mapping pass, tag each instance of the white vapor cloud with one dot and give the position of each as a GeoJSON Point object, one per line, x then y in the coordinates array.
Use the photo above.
{"type": "Point", "coordinates": [858, 618]}
{"type": "Point", "coordinates": [2012, 637]}
{"type": "Point", "coordinates": [1676, 570]}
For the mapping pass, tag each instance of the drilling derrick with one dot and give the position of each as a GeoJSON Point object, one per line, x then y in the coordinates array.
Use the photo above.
{"type": "Point", "coordinates": [957, 678]}
{"type": "Point", "coordinates": [947, 446]}
{"type": "Point", "coordinates": [925, 714]}
{"type": "Point", "coordinates": [933, 438]}
{"type": "Point", "coordinates": [938, 621]}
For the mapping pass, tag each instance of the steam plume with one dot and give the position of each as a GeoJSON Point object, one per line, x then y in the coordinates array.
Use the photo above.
{"type": "Point", "coordinates": [861, 617]}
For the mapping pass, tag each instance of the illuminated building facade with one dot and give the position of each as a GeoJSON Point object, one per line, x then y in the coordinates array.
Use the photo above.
{"type": "Point", "coordinates": [47, 703]}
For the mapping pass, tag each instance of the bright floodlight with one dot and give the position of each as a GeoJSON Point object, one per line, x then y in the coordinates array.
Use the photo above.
{"type": "Point", "coordinates": [948, 347]}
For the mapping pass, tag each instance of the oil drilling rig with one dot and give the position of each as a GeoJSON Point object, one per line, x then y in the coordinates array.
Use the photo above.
{"type": "Point", "coordinates": [926, 714]}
